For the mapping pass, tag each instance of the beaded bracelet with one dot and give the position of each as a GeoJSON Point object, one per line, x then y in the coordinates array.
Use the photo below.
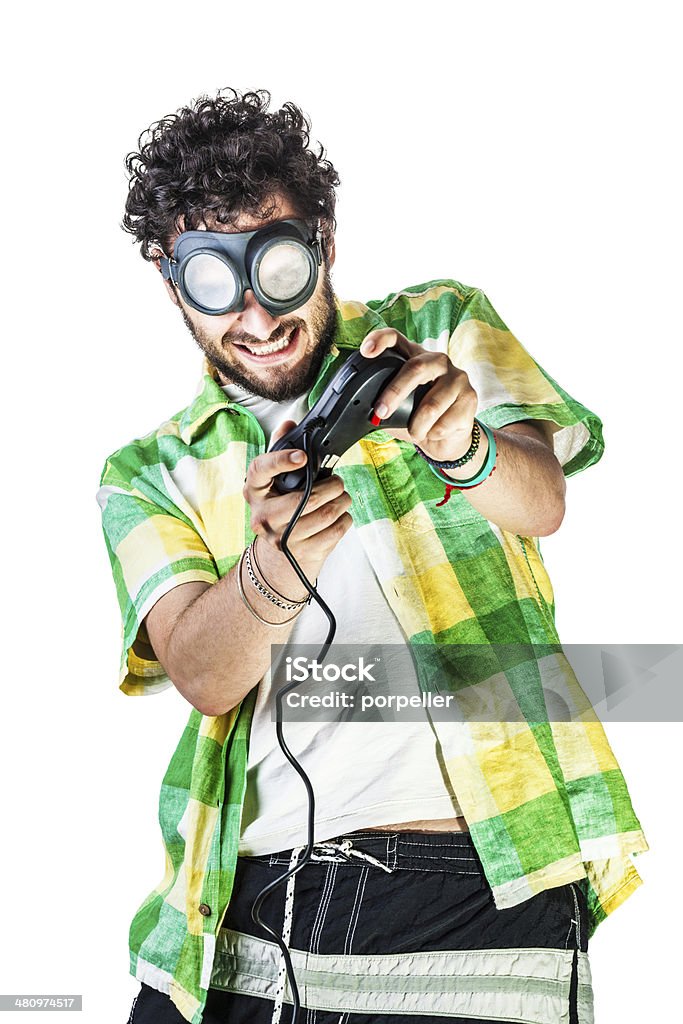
{"type": "Point", "coordinates": [484, 473]}
{"type": "Point", "coordinates": [463, 460]}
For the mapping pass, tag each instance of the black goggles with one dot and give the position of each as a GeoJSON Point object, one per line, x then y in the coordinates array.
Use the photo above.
{"type": "Point", "coordinates": [213, 269]}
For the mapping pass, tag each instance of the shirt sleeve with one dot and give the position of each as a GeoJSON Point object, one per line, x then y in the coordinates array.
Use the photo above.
{"type": "Point", "coordinates": [152, 549]}
{"type": "Point", "coordinates": [511, 386]}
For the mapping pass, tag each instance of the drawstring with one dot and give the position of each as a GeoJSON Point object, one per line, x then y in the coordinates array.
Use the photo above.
{"type": "Point", "coordinates": [347, 850]}
{"type": "Point", "coordinates": [330, 851]}
{"type": "Point", "coordinates": [286, 933]}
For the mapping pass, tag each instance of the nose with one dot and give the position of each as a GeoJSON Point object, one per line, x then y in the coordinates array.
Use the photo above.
{"type": "Point", "coordinates": [256, 320]}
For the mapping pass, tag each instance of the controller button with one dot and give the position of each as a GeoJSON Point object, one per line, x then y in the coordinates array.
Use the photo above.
{"type": "Point", "coordinates": [345, 375]}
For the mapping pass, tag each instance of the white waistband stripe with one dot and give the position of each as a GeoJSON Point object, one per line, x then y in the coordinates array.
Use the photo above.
{"type": "Point", "coordinates": [529, 986]}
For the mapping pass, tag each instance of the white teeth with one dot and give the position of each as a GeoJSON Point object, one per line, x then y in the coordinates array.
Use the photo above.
{"type": "Point", "coordinates": [265, 350]}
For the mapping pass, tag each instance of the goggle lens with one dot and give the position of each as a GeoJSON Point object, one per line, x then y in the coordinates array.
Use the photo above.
{"type": "Point", "coordinates": [209, 281]}
{"type": "Point", "coordinates": [284, 271]}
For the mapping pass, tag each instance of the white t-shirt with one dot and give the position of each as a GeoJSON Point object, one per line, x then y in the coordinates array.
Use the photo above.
{"type": "Point", "coordinates": [364, 774]}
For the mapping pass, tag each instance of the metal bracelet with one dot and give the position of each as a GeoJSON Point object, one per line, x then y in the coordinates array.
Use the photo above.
{"type": "Point", "coordinates": [286, 606]}
{"type": "Point", "coordinates": [292, 602]}
{"type": "Point", "coordinates": [253, 612]}
{"type": "Point", "coordinates": [463, 460]}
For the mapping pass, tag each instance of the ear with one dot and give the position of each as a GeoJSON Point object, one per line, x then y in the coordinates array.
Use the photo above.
{"type": "Point", "coordinates": [169, 285]}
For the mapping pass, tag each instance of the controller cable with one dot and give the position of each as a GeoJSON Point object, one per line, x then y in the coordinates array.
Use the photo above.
{"type": "Point", "coordinates": [314, 427]}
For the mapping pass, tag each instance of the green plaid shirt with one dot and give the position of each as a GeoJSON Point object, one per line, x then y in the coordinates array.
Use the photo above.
{"type": "Point", "coordinates": [545, 801]}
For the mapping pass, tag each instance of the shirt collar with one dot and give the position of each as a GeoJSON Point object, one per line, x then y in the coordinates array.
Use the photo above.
{"type": "Point", "coordinates": [353, 321]}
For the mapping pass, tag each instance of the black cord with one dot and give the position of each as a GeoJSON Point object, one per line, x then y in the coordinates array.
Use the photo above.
{"type": "Point", "coordinates": [308, 435]}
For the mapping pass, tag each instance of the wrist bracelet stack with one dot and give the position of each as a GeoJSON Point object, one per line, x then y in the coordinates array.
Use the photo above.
{"type": "Point", "coordinates": [269, 592]}
{"type": "Point", "coordinates": [484, 473]}
{"type": "Point", "coordinates": [463, 460]}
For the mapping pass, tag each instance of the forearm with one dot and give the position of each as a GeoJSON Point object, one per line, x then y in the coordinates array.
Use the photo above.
{"type": "Point", "coordinates": [218, 650]}
{"type": "Point", "coordinates": [525, 495]}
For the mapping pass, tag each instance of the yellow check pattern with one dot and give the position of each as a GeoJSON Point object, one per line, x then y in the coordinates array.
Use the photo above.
{"type": "Point", "coordinates": [545, 801]}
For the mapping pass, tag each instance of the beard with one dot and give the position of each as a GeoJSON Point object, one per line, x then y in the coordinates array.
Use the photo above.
{"type": "Point", "coordinates": [283, 384]}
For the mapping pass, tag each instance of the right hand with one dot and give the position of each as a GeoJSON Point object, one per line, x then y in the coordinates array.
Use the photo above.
{"type": "Point", "coordinates": [320, 527]}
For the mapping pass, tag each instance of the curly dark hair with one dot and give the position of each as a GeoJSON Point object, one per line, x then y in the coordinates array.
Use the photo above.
{"type": "Point", "coordinates": [225, 156]}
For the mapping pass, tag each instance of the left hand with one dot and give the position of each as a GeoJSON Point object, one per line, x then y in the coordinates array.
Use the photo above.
{"type": "Point", "coordinates": [442, 424]}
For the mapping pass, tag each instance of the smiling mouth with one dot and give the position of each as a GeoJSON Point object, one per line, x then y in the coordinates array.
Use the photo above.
{"type": "Point", "coordinates": [272, 348]}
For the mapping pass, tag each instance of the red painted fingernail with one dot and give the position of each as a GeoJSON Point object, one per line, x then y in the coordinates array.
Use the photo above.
{"type": "Point", "coordinates": [375, 420]}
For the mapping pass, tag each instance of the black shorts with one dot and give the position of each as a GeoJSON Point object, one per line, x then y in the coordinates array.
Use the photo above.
{"type": "Point", "coordinates": [388, 928]}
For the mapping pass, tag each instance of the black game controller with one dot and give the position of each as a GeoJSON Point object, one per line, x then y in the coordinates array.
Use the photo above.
{"type": "Point", "coordinates": [343, 415]}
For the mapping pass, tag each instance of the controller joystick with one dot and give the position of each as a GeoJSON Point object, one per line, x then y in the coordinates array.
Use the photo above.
{"type": "Point", "coordinates": [344, 414]}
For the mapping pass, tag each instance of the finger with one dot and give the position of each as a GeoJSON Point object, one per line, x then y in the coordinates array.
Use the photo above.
{"type": "Point", "coordinates": [378, 341]}
{"type": "Point", "coordinates": [455, 427]}
{"type": "Point", "coordinates": [319, 513]}
{"type": "Point", "coordinates": [331, 535]}
{"type": "Point", "coordinates": [419, 369]}
{"type": "Point", "coordinates": [272, 513]}
{"type": "Point", "coordinates": [264, 468]}
{"type": "Point", "coordinates": [282, 507]}
{"type": "Point", "coordinates": [448, 406]}
{"type": "Point", "coordinates": [281, 430]}
{"type": "Point", "coordinates": [314, 523]}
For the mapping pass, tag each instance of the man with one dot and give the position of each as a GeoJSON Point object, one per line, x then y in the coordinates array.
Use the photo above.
{"type": "Point", "coordinates": [458, 868]}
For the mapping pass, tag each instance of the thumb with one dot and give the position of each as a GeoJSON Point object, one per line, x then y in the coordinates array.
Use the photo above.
{"type": "Point", "coordinates": [281, 430]}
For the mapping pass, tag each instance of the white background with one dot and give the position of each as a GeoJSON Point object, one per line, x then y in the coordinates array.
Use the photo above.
{"type": "Point", "coordinates": [527, 148]}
